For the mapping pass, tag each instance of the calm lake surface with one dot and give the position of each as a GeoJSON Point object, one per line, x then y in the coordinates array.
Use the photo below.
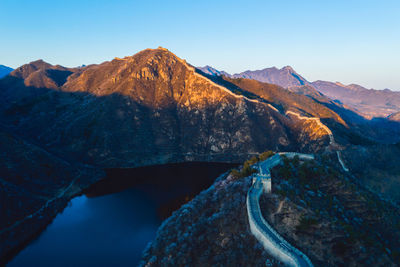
{"type": "Point", "coordinates": [111, 224]}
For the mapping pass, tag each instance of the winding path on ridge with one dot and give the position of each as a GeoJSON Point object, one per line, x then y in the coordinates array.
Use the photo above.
{"type": "Point", "coordinates": [270, 239]}
{"type": "Point", "coordinates": [274, 243]}
{"type": "Point", "coordinates": [332, 141]}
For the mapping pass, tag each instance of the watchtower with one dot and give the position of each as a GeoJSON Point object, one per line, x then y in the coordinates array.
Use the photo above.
{"type": "Point", "coordinates": [265, 178]}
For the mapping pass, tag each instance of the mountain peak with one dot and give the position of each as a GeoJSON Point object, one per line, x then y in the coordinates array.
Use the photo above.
{"type": "Point", "coordinates": [41, 74]}
{"type": "Point", "coordinates": [153, 67]}
{"type": "Point", "coordinates": [340, 84]}
{"type": "Point", "coordinates": [38, 61]}
{"type": "Point", "coordinates": [162, 48]}
{"type": "Point", "coordinates": [207, 69]}
{"type": "Point", "coordinates": [27, 69]}
{"type": "Point", "coordinates": [40, 64]}
{"type": "Point", "coordinates": [285, 77]}
{"type": "Point", "coordinates": [288, 68]}
{"type": "Point", "coordinates": [148, 53]}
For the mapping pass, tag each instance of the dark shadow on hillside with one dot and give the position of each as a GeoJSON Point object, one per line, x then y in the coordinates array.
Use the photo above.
{"type": "Point", "coordinates": [59, 76]}
{"type": "Point", "coordinates": [379, 130]}
{"type": "Point", "coordinates": [107, 130]}
{"type": "Point", "coordinates": [170, 185]}
{"type": "Point", "coordinates": [232, 87]}
{"type": "Point", "coordinates": [361, 132]}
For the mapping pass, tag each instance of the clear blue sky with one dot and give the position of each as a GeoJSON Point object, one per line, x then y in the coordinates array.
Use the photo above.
{"type": "Point", "coordinates": [347, 41]}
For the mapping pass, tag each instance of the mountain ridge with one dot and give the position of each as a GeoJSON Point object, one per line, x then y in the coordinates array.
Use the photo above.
{"type": "Point", "coordinates": [147, 109]}
{"type": "Point", "coordinates": [368, 102]}
{"type": "Point", "coordinates": [4, 71]}
{"type": "Point", "coordinates": [155, 108]}
{"type": "Point", "coordinates": [371, 102]}
{"type": "Point", "coordinates": [285, 77]}
{"type": "Point", "coordinates": [141, 85]}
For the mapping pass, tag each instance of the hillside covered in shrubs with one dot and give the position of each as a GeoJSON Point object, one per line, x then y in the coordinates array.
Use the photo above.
{"type": "Point", "coordinates": [211, 230]}
{"type": "Point", "coordinates": [313, 205]}
{"type": "Point", "coordinates": [330, 216]}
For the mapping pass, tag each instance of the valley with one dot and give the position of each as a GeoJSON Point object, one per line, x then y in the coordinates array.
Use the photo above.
{"type": "Point", "coordinates": [63, 131]}
{"type": "Point", "coordinates": [123, 209]}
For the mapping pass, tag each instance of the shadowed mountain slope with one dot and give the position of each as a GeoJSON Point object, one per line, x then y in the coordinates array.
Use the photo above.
{"type": "Point", "coordinates": [149, 108]}
{"type": "Point", "coordinates": [34, 186]}
{"type": "Point", "coordinates": [286, 99]}
{"type": "Point", "coordinates": [367, 102]}
{"type": "Point", "coordinates": [146, 109]}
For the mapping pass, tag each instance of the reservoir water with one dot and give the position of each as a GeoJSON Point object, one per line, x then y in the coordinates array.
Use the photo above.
{"type": "Point", "coordinates": [111, 223]}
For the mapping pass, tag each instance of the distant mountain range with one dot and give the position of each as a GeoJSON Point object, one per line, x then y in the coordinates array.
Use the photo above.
{"type": "Point", "coordinates": [148, 109]}
{"type": "Point", "coordinates": [368, 102]}
{"type": "Point", "coordinates": [211, 71]}
{"type": "Point", "coordinates": [4, 70]}
{"type": "Point", "coordinates": [285, 77]}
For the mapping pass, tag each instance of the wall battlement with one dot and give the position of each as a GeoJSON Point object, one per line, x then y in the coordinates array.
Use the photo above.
{"type": "Point", "coordinates": [269, 238]}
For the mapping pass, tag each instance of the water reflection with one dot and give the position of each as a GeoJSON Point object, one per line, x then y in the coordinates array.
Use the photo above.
{"type": "Point", "coordinates": [111, 230]}
{"type": "Point", "coordinates": [113, 222]}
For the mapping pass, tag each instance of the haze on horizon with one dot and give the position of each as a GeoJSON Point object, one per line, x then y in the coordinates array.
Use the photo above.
{"type": "Point", "coordinates": [347, 41]}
